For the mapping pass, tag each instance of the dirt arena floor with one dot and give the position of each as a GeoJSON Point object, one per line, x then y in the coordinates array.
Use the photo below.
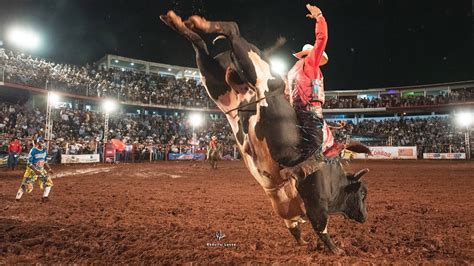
{"type": "Point", "coordinates": [169, 212]}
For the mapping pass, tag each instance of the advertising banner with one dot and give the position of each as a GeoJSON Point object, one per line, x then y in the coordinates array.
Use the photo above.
{"type": "Point", "coordinates": [385, 152]}
{"type": "Point", "coordinates": [81, 158]}
{"type": "Point", "coordinates": [186, 156]}
{"type": "Point", "coordinates": [444, 156]}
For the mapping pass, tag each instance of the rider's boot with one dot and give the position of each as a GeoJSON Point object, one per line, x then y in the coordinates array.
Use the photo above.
{"type": "Point", "coordinates": [303, 169]}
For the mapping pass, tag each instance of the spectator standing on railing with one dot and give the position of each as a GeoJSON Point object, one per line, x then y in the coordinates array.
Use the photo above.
{"type": "Point", "coordinates": [14, 151]}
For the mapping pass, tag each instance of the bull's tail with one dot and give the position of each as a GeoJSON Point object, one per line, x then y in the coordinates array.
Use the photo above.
{"type": "Point", "coordinates": [266, 53]}
{"type": "Point", "coordinates": [277, 45]}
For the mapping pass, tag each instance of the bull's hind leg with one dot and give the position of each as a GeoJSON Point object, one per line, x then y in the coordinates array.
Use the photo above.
{"type": "Point", "coordinates": [229, 29]}
{"type": "Point", "coordinates": [176, 23]}
{"type": "Point", "coordinates": [213, 74]}
{"type": "Point", "coordinates": [241, 48]}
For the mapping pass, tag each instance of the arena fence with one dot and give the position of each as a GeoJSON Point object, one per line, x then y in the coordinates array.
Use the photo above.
{"type": "Point", "coordinates": [385, 152]}
{"type": "Point", "coordinates": [444, 156]}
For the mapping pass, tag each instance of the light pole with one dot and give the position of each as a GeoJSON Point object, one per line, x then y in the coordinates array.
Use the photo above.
{"type": "Point", "coordinates": [465, 119]}
{"type": "Point", "coordinates": [196, 120]}
{"type": "Point", "coordinates": [108, 106]}
{"type": "Point", "coordinates": [468, 143]}
{"type": "Point", "coordinates": [53, 98]}
{"type": "Point", "coordinates": [2, 55]}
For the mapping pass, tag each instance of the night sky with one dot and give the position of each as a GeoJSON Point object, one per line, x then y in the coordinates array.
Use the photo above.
{"type": "Point", "coordinates": [372, 43]}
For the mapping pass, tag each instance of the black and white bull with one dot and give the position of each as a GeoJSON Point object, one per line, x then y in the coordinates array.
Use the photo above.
{"type": "Point", "coordinates": [243, 86]}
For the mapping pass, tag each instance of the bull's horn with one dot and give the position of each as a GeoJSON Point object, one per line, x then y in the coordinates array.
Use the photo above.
{"type": "Point", "coordinates": [220, 37]}
{"type": "Point", "coordinates": [358, 175]}
{"type": "Point", "coordinates": [358, 147]}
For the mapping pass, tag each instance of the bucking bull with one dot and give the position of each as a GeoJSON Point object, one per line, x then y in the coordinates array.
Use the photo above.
{"type": "Point", "coordinates": [241, 83]}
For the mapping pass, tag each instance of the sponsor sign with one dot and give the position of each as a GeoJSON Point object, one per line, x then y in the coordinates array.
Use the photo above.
{"type": "Point", "coordinates": [385, 152]}
{"type": "Point", "coordinates": [82, 158]}
{"type": "Point", "coordinates": [186, 156]}
{"type": "Point", "coordinates": [405, 152]}
{"type": "Point", "coordinates": [444, 156]}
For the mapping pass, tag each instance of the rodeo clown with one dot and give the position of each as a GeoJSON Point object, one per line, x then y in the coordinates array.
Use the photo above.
{"type": "Point", "coordinates": [35, 171]}
{"type": "Point", "coordinates": [306, 93]}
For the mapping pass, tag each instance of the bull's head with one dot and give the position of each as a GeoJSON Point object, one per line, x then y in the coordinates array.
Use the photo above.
{"type": "Point", "coordinates": [355, 195]}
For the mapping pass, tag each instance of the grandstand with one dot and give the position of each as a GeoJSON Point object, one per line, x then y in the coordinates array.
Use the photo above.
{"type": "Point", "coordinates": [152, 93]}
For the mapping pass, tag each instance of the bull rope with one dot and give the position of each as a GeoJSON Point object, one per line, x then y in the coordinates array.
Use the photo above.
{"type": "Point", "coordinates": [271, 94]}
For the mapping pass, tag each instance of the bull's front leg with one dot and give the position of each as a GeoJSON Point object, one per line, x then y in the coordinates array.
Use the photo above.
{"type": "Point", "coordinates": [295, 230]}
{"type": "Point", "coordinates": [317, 210]}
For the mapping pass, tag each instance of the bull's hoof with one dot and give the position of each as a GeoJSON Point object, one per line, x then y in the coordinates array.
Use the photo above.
{"type": "Point", "coordinates": [337, 251]}
{"type": "Point", "coordinates": [199, 23]}
{"type": "Point", "coordinates": [301, 242]}
{"type": "Point", "coordinates": [326, 239]}
{"type": "Point", "coordinates": [174, 21]}
{"type": "Point", "coordinates": [165, 19]}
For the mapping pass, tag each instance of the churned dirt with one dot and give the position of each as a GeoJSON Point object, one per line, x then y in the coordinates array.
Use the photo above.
{"type": "Point", "coordinates": [169, 212]}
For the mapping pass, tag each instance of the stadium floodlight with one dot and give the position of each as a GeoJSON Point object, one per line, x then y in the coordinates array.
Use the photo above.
{"type": "Point", "coordinates": [53, 98]}
{"type": "Point", "coordinates": [132, 64]}
{"type": "Point", "coordinates": [169, 69]}
{"type": "Point", "coordinates": [24, 38]}
{"type": "Point", "coordinates": [278, 66]}
{"type": "Point", "coordinates": [109, 106]}
{"type": "Point", "coordinates": [196, 119]}
{"type": "Point", "coordinates": [464, 119]}
{"type": "Point", "coordinates": [116, 61]}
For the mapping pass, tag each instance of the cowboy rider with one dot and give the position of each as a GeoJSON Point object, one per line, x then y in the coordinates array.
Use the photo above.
{"type": "Point", "coordinates": [213, 143]}
{"type": "Point", "coordinates": [306, 89]}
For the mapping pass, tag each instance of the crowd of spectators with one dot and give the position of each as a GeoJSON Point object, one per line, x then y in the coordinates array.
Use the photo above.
{"type": "Point", "coordinates": [429, 135]}
{"type": "Point", "coordinates": [135, 86]}
{"type": "Point", "coordinates": [394, 100]}
{"type": "Point", "coordinates": [79, 131]}
{"type": "Point", "coordinates": [95, 81]}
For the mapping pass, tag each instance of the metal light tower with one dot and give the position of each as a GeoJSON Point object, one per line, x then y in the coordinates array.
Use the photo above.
{"type": "Point", "coordinates": [53, 98]}
{"type": "Point", "coordinates": [196, 120]}
{"type": "Point", "coordinates": [465, 119]}
{"type": "Point", "coordinates": [108, 106]}
{"type": "Point", "coordinates": [468, 143]}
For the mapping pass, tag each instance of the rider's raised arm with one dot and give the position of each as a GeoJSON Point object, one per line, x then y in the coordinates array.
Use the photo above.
{"type": "Point", "coordinates": [314, 57]}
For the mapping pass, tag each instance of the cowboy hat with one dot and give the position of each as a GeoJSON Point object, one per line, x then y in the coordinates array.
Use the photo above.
{"type": "Point", "coordinates": [306, 50]}
{"type": "Point", "coordinates": [213, 137]}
